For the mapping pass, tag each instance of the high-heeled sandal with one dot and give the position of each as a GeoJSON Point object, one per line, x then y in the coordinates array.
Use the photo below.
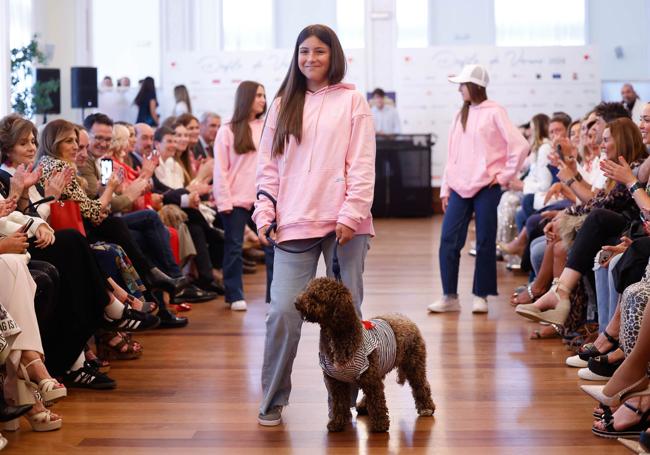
{"type": "Point", "coordinates": [557, 315]}
{"type": "Point", "coordinates": [590, 350]}
{"type": "Point", "coordinates": [635, 430]}
{"type": "Point", "coordinates": [105, 350]}
{"type": "Point", "coordinates": [634, 390]}
{"type": "Point", "coordinates": [147, 307]}
{"type": "Point", "coordinates": [41, 421]}
{"type": "Point", "coordinates": [47, 387]}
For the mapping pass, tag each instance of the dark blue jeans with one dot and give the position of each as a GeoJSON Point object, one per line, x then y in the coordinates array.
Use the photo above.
{"type": "Point", "coordinates": [152, 236]}
{"type": "Point", "coordinates": [233, 227]}
{"type": "Point", "coordinates": [454, 233]}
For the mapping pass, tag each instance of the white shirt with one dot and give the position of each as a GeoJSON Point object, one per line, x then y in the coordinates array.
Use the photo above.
{"type": "Point", "coordinates": [170, 173]}
{"type": "Point", "coordinates": [386, 120]}
{"type": "Point", "coordinates": [180, 108]}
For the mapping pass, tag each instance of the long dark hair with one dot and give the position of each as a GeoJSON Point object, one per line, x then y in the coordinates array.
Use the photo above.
{"type": "Point", "coordinates": [540, 125]}
{"type": "Point", "coordinates": [293, 88]}
{"type": "Point", "coordinates": [477, 94]}
{"type": "Point", "coordinates": [147, 90]}
{"type": "Point", "coordinates": [244, 99]}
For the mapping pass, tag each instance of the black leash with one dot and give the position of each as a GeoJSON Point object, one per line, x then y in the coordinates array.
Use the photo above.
{"type": "Point", "coordinates": [336, 266]}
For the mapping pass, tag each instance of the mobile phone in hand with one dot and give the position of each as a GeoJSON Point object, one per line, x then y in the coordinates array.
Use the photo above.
{"type": "Point", "coordinates": [25, 227]}
{"type": "Point", "coordinates": [106, 170]}
{"type": "Point", "coordinates": [558, 150]}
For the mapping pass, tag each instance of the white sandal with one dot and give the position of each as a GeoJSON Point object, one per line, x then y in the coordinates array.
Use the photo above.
{"type": "Point", "coordinates": [41, 421]}
{"type": "Point", "coordinates": [46, 387]}
{"type": "Point", "coordinates": [557, 315]}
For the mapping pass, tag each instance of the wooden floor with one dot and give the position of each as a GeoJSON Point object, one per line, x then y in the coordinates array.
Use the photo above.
{"type": "Point", "coordinates": [196, 390]}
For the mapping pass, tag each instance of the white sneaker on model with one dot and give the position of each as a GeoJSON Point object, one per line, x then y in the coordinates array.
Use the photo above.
{"type": "Point", "coordinates": [479, 305]}
{"type": "Point", "coordinates": [444, 305]}
{"type": "Point", "coordinates": [239, 305]}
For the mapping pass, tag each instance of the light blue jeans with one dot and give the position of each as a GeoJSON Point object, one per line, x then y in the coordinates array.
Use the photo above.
{"type": "Point", "coordinates": [291, 274]}
{"type": "Point", "coordinates": [537, 248]}
{"type": "Point", "coordinates": [606, 294]}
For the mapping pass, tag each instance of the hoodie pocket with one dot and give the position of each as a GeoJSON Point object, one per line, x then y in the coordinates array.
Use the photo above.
{"type": "Point", "coordinates": [316, 196]}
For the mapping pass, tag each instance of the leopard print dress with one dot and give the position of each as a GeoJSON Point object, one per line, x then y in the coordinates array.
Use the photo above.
{"type": "Point", "coordinates": [633, 303]}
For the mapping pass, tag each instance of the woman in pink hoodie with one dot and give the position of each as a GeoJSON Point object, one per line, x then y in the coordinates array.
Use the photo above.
{"type": "Point", "coordinates": [484, 153]}
{"type": "Point", "coordinates": [235, 161]}
{"type": "Point", "coordinates": [317, 159]}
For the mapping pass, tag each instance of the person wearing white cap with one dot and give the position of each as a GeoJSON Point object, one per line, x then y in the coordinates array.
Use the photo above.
{"type": "Point", "coordinates": [484, 153]}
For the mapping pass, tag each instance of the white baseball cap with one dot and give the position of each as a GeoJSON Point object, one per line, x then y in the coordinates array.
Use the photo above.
{"type": "Point", "coordinates": [472, 73]}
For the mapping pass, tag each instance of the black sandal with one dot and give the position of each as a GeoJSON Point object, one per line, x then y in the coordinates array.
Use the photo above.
{"type": "Point", "coordinates": [602, 366]}
{"type": "Point", "coordinates": [132, 320]}
{"type": "Point", "coordinates": [635, 430]}
{"type": "Point", "coordinates": [589, 350]}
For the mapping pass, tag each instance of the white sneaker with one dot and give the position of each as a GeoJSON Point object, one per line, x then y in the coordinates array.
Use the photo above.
{"type": "Point", "coordinates": [588, 375]}
{"type": "Point", "coordinates": [479, 305]}
{"type": "Point", "coordinates": [239, 305]}
{"type": "Point", "coordinates": [444, 305]}
{"type": "Point", "coordinates": [576, 362]}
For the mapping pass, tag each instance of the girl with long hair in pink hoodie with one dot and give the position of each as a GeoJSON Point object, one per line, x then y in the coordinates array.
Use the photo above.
{"type": "Point", "coordinates": [317, 159]}
{"type": "Point", "coordinates": [235, 161]}
{"type": "Point", "coordinates": [484, 153]}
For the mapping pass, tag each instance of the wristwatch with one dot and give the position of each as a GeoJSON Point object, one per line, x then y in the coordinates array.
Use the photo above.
{"type": "Point", "coordinates": [578, 177]}
{"type": "Point", "coordinates": [637, 186]}
{"type": "Point", "coordinates": [570, 182]}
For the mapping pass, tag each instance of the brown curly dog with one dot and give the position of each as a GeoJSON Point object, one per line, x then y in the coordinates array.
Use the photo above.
{"type": "Point", "coordinates": [360, 354]}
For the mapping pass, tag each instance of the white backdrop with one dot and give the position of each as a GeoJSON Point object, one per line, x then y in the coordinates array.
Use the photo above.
{"type": "Point", "coordinates": [212, 77]}
{"type": "Point", "coordinates": [526, 81]}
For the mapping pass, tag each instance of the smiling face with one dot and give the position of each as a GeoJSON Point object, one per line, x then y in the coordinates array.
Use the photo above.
{"type": "Point", "coordinates": [182, 138]}
{"type": "Point", "coordinates": [67, 148]}
{"type": "Point", "coordinates": [556, 130]}
{"type": "Point", "coordinates": [644, 124]}
{"type": "Point", "coordinates": [193, 132]}
{"type": "Point", "coordinates": [24, 151]}
{"type": "Point", "coordinates": [314, 62]}
{"type": "Point", "coordinates": [259, 103]}
{"type": "Point", "coordinates": [100, 139]}
{"type": "Point", "coordinates": [608, 146]}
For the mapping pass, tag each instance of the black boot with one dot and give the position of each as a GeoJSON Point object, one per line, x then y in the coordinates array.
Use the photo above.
{"type": "Point", "coordinates": [157, 279]}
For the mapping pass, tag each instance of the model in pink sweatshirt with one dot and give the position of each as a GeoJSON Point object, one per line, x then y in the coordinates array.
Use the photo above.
{"type": "Point", "coordinates": [485, 151]}
{"type": "Point", "coordinates": [317, 159]}
{"type": "Point", "coordinates": [234, 174]}
{"type": "Point", "coordinates": [329, 177]}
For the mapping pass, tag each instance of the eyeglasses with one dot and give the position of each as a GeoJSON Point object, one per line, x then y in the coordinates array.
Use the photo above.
{"type": "Point", "coordinates": [100, 138]}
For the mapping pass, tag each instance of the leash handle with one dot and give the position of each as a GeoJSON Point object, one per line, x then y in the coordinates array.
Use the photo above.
{"type": "Point", "coordinates": [336, 265]}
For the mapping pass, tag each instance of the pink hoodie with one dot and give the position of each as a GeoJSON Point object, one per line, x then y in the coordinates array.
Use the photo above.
{"type": "Point", "coordinates": [329, 177]}
{"type": "Point", "coordinates": [491, 146]}
{"type": "Point", "coordinates": [234, 174]}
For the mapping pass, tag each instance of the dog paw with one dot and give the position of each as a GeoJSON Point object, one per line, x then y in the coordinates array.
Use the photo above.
{"type": "Point", "coordinates": [425, 412]}
{"type": "Point", "coordinates": [380, 426]}
{"type": "Point", "coordinates": [335, 426]}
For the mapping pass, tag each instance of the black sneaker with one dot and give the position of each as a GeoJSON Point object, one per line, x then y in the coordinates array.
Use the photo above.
{"type": "Point", "coordinates": [88, 377]}
{"type": "Point", "coordinates": [132, 320]}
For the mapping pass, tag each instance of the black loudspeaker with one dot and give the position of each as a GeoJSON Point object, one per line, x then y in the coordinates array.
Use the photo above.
{"type": "Point", "coordinates": [83, 86]}
{"type": "Point", "coordinates": [403, 177]}
{"type": "Point", "coordinates": [47, 75]}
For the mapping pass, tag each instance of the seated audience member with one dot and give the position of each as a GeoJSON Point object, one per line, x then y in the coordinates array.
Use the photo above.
{"type": "Point", "coordinates": [384, 115]}
{"type": "Point", "coordinates": [98, 225]}
{"type": "Point", "coordinates": [605, 214]}
{"type": "Point", "coordinates": [210, 124]}
{"type": "Point", "coordinates": [143, 145]}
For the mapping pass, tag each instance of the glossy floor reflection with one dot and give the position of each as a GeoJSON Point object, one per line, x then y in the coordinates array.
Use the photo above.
{"type": "Point", "coordinates": [196, 390]}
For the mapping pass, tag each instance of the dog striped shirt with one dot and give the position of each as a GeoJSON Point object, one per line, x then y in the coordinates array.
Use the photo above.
{"type": "Point", "coordinates": [379, 336]}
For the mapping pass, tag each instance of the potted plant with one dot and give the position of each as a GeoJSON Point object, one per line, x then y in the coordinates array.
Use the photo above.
{"type": "Point", "coordinates": [27, 99]}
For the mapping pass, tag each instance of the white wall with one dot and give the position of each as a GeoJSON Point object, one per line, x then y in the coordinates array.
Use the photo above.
{"type": "Point", "coordinates": [188, 24]}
